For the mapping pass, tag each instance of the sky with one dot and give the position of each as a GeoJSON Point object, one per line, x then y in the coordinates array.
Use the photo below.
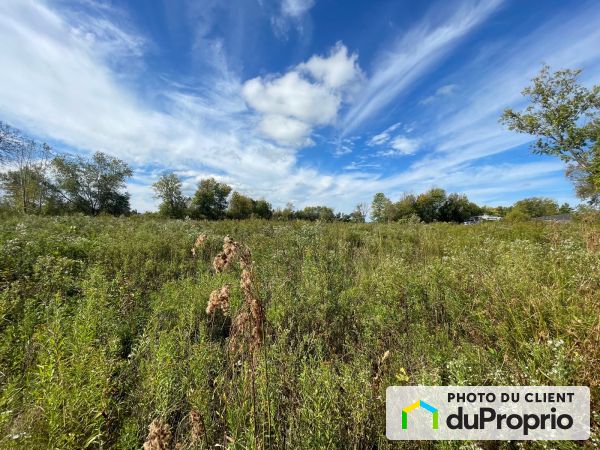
{"type": "Point", "coordinates": [314, 102]}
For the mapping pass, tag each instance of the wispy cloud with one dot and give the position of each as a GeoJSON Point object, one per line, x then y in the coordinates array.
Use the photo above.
{"type": "Point", "coordinates": [384, 136]}
{"type": "Point", "coordinates": [466, 129]}
{"type": "Point", "coordinates": [292, 13]}
{"type": "Point", "coordinates": [442, 91]}
{"type": "Point", "coordinates": [415, 53]}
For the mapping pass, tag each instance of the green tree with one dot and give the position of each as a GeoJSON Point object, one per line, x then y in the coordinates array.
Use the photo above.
{"type": "Point", "coordinates": [262, 209]}
{"type": "Point", "coordinates": [536, 206]}
{"type": "Point", "coordinates": [92, 185]}
{"type": "Point", "coordinates": [359, 215]}
{"type": "Point", "coordinates": [240, 206]}
{"type": "Point", "coordinates": [322, 213]}
{"type": "Point", "coordinates": [287, 213]}
{"type": "Point", "coordinates": [210, 200]}
{"type": "Point", "coordinates": [517, 215]}
{"type": "Point", "coordinates": [565, 208]}
{"type": "Point", "coordinates": [168, 190]}
{"type": "Point", "coordinates": [564, 116]}
{"type": "Point", "coordinates": [405, 207]}
{"type": "Point", "coordinates": [429, 205]}
{"type": "Point", "coordinates": [25, 180]}
{"type": "Point", "coordinates": [380, 208]}
{"type": "Point", "coordinates": [458, 208]}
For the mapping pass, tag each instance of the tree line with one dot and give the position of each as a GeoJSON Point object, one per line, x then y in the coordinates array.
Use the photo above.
{"type": "Point", "coordinates": [214, 200]}
{"type": "Point", "coordinates": [37, 180]}
{"type": "Point", "coordinates": [436, 205]}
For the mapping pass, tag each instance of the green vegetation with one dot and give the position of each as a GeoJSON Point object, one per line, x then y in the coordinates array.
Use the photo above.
{"type": "Point", "coordinates": [564, 116]}
{"type": "Point", "coordinates": [104, 329]}
{"type": "Point", "coordinates": [431, 206]}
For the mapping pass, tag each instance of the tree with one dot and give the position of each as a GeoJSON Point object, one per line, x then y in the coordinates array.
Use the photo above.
{"type": "Point", "coordinates": [210, 200]}
{"type": "Point", "coordinates": [429, 204]}
{"type": "Point", "coordinates": [28, 190]}
{"type": "Point", "coordinates": [322, 213]}
{"type": "Point", "coordinates": [6, 133]}
{"type": "Point", "coordinates": [458, 208]}
{"type": "Point", "coordinates": [564, 116]}
{"type": "Point", "coordinates": [25, 183]}
{"type": "Point", "coordinates": [240, 206]}
{"type": "Point", "coordinates": [286, 213]}
{"type": "Point", "coordinates": [168, 190]}
{"type": "Point", "coordinates": [359, 215]}
{"type": "Point", "coordinates": [517, 215]}
{"type": "Point", "coordinates": [380, 208]}
{"type": "Point", "coordinates": [405, 207]}
{"type": "Point", "coordinates": [565, 208]}
{"type": "Point", "coordinates": [536, 207]}
{"type": "Point", "coordinates": [92, 185]}
{"type": "Point", "coordinates": [262, 209]}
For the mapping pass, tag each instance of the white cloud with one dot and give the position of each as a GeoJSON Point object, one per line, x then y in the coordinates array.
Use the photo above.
{"type": "Point", "coordinates": [296, 8]}
{"type": "Point", "coordinates": [291, 95]}
{"type": "Point", "coordinates": [379, 139]}
{"type": "Point", "coordinates": [398, 145]}
{"type": "Point", "coordinates": [384, 136]}
{"type": "Point", "coordinates": [442, 91]}
{"type": "Point", "coordinates": [417, 52]}
{"type": "Point", "coordinates": [291, 13]}
{"type": "Point", "coordinates": [285, 130]}
{"type": "Point", "coordinates": [336, 70]}
{"type": "Point", "coordinates": [293, 105]}
{"type": "Point", "coordinates": [361, 165]}
{"type": "Point", "coordinates": [404, 146]}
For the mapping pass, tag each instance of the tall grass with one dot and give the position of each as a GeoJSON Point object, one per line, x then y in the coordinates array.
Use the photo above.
{"type": "Point", "coordinates": [110, 337]}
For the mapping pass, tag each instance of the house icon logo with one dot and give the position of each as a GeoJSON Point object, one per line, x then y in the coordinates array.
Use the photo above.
{"type": "Point", "coordinates": [420, 404]}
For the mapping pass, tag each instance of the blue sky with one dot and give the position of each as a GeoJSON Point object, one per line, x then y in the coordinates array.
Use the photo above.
{"type": "Point", "coordinates": [308, 101]}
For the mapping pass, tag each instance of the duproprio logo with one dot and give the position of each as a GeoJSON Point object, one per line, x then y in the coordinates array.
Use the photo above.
{"type": "Point", "coordinates": [420, 404]}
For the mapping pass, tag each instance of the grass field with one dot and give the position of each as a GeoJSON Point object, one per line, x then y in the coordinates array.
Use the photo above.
{"type": "Point", "coordinates": [104, 329]}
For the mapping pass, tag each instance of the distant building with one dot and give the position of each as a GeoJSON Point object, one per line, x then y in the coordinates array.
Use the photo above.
{"type": "Point", "coordinates": [560, 218]}
{"type": "Point", "coordinates": [482, 218]}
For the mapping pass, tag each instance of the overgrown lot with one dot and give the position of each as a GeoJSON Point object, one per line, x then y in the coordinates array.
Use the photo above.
{"type": "Point", "coordinates": [104, 329]}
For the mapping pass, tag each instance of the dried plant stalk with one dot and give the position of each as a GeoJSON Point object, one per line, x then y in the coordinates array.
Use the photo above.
{"type": "Point", "coordinates": [199, 243]}
{"type": "Point", "coordinates": [197, 428]}
{"type": "Point", "coordinates": [159, 436]}
{"type": "Point", "coordinates": [224, 259]}
{"type": "Point", "coordinates": [247, 326]}
{"type": "Point", "coordinates": [219, 299]}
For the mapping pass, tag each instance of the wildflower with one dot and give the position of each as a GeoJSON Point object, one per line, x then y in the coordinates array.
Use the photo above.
{"type": "Point", "coordinates": [159, 436]}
